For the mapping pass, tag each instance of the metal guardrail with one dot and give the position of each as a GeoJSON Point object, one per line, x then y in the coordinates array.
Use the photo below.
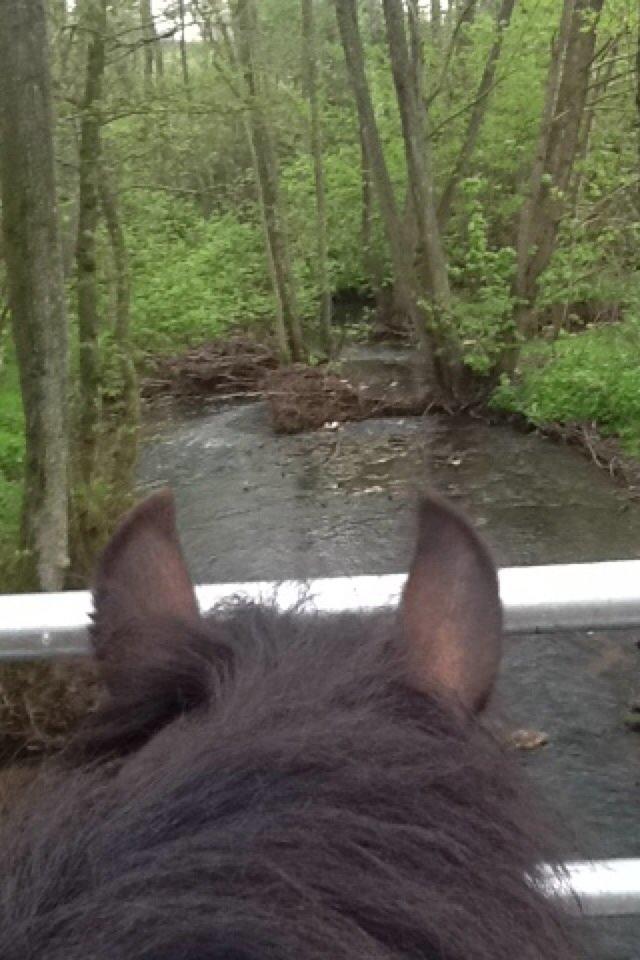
{"type": "Point", "coordinates": [598, 888]}
{"type": "Point", "coordinates": [575, 596]}
{"type": "Point", "coordinates": [544, 599]}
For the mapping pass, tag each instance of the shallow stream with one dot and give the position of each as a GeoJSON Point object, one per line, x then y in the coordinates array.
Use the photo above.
{"type": "Point", "coordinates": [339, 501]}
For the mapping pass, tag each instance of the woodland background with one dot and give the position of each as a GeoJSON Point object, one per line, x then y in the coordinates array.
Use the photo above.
{"type": "Point", "coordinates": [468, 175]}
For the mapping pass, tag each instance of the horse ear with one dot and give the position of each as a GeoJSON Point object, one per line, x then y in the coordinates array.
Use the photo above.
{"type": "Point", "coordinates": [142, 572]}
{"type": "Point", "coordinates": [148, 639]}
{"type": "Point", "coordinates": [451, 612]}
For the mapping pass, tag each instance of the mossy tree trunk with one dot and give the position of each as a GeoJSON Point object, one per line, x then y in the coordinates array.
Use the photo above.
{"type": "Point", "coordinates": [94, 17]}
{"type": "Point", "coordinates": [124, 394]}
{"type": "Point", "coordinates": [310, 70]}
{"type": "Point", "coordinates": [546, 202]}
{"type": "Point", "coordinates": [35, 283]}
{"type": "Point", "coordinates": [400, 251]}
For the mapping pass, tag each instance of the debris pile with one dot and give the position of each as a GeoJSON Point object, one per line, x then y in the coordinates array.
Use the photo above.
{"type": "Point", "coordinates": [304, 398]}
{"type": "Point", "coordinates": [220, 367]}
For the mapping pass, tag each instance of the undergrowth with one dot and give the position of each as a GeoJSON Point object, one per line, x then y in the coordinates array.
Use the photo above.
{"type": "Point", "coordinates": [11, 460]}
{"type": "Point", "coordinates": [591, 377]}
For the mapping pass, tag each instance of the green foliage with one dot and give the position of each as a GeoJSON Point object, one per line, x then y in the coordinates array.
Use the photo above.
{"type": "Point", "coordinates": [11, 459]}
{"type": "Point", "coordinates": [182, 165]}
{"type": "Point", "coordinates": [11, 423]}
{"type": "Point", "coordinates": [484, 308]}
{"type": "Point", "coordinates": [194, 278]}
{"type": "Point", "coordinates": [347, 259]}
{"type": "Point", "coordinates": [591, 377]}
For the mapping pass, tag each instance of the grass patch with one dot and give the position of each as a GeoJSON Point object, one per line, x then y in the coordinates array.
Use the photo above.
{"type": "Point", "coordinates": [591, 377]}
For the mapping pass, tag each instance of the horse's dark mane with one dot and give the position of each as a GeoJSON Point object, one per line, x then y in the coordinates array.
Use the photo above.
{"type": "Point", "coordinates": [288, 798]}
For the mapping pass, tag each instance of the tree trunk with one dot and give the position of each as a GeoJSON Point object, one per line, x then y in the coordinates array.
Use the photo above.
{"type": "Point", "coordinates": [436, 22]}
{"type": "Point", "coordinates": [545, 205]}
{"type": "Point", "coordinates": [371, 261]}
{"type": "Point", "coordinates": [374, 21]}
{"type": "Point", "coordinates": [638, 114]}
{"type": "Point", "coordinates": [416, 43]}
{"type": "Point", "coordinates": [148, 37]}
{"type": "Point", "coordinates": [183, 46]}
{"type": "Point", "coordinates": [127, 407]}
{"type": "Point", "coordinates": [402, 265]}
{"type": "Point", "coordinates": [288, 328]}
{"type": "Point", "coordinates": [598, 89]}
{"type": "Point", "coordinates": [87, 281]}
{"type": "Point", "coordinates": [35, 282]}
{"type": "Point", "coordinates": [476, 117]}
{"type": "Point", "coordinates": [158, 53]}
{"type": "Point", "coordinates": [310, 69]}
{"type": "Point", "coordinates": [447, 353]}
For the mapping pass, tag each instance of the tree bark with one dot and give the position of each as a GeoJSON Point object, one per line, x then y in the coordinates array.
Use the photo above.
{"type": "Point", "coordinates": [127, 412]}
{"type": "Point", "coordinates": [476, 117]}
{"type": "Point", "coordinates": [374, 21]}
{"type": "Point", "coordinates": [88, 211]}
{"type": "Point", "coordinates": [183, 46]}
{"type": "Point", "coordinates": [401, 259]}
{"type": "Point", "coordinates": [148, 36]}
{"type": "Point", "coordinates": [416, 43]}
{"type": "Point", "coordinates": [371, 261]}
{"type": "Point", "coordinates": [310, 69]}
{"type": "Point", "coordinates": [545, 205]}
{"type": "Point", "coordinates": [436, 22]}
{"type": "Point", "coordinates": [35, 281]}
{"type": "Point", "coordinates": [601, 82]}
{"type": "Point", "coordinates": [637, 98]}
{"type": "Point", "coordinates": [288, 327]}
{"type": "Point", "coordinates": [447, 353]}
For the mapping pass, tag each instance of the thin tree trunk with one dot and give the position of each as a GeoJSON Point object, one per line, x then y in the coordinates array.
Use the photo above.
{"type": "Point", "coordinates": [436, 22]}
{"type": "Point", "coordinates": [527, 212]}
{"type": "Point", "coordinates": [288, 328]}
{"type": "Point", "coordinates": [416, 43]}
{"type": "Point", "coordinates": [476, 117]}
{"type": "Point", "coordinates": [437, 293]}
{"type": "Point", "coordinates": [401, 259]}
{"type": "Point", "coordinates": [183, 46]}
{"type": "Point", "coordinates": [417, 69]}
{"type": "Point", "coordinates": [371, 261]}
{"type": "Point", "coordinates": [310, 66]}
{"type": "Point", "coordinates": [603, 78]}
{"type": "Point", "coordinates": [35, 281]}
{"type": "Point", "coordinates": [545, 206]}
{"type": "Point", "coordinates": [148, 36]}
{"type": "Point", "coordinates": [417, 66]}
{"type": "Point", "coordinates": [128, 407]}
{"type": "Point", "coordinates": [375, 23]}
{"type": "Point", "coordinates": [88, 211]}
{"type": "Point", "coordinates": [417, 153]}
{"type": "Point", "coordinates": [638, 114]}
{"type": "Point", "coordinates": [158, 53]}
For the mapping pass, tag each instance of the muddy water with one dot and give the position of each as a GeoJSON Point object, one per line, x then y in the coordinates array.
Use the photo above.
{"type": "Point", "coordinates": [333, 502]}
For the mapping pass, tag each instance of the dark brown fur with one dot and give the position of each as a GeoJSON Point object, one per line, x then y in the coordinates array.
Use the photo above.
{"type": "Point", "coordinates": [283, 786]}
